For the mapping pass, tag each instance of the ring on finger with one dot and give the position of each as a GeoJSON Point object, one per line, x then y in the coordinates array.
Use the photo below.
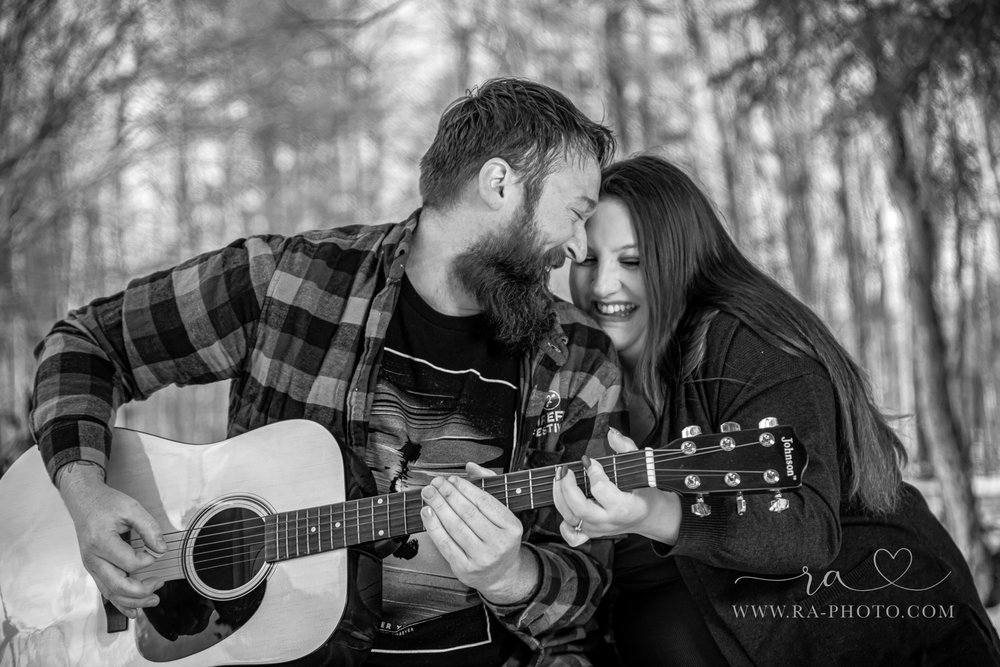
{"type": "Point", "coordinates": [578, 527]}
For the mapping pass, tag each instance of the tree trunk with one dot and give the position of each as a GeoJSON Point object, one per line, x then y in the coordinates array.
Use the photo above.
{"type": "Point", "coordinates": [796, 182]}
{"type": "Point", "coordinates": [854, 253]}
{"type": "Point", "coordinates": [723, 115]}
{"type": "Point", "coordinates": [617, 70]}
{"type": "Point", "coordinates": [948, 448]}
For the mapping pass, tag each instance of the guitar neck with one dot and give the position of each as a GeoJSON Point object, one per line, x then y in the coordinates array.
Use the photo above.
{"type": "Point", "coordinates": [318, 529]}
{"type": "Point", "coordinates": [731, 462]}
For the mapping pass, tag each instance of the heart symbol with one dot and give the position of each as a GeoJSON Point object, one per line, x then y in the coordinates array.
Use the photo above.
{"type": "Point", "coordinates": [891, 563]}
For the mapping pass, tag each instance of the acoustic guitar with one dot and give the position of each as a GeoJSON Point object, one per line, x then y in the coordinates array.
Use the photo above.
{"type": "Point", "coordinates": [257, 527]}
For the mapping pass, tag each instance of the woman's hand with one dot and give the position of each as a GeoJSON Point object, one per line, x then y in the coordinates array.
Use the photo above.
{"type": "Point", "coordinates": [647, 511]}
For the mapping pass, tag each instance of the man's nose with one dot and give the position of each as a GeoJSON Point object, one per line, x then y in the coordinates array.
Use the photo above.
{"type": "Point", "coordinates": [576, 247]}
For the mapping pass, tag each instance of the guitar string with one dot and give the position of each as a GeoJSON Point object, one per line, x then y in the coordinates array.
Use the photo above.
{"type": "Point", "coordinates": [325, 526]}
{"type": "Point", "coordinates": [541, 474]}
{"type": "Point", "coordinates": [371, 512]}
{"type": "Point", "coordinates": [354, 523]}
{"type": "Point", "coordinates": [250, 552]}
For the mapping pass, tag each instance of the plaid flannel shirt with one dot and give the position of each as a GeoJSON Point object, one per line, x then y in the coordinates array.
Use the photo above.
{"type": "Point", "coordinates": [297, 324]}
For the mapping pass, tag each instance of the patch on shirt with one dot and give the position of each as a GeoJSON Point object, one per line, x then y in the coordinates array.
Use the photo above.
{"type": "Point", "coordinates": [550, 421]}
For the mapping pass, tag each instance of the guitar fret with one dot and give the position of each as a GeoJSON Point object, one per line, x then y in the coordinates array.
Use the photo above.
{"type": "Point", "coordinates": [531, 490]}
{"type": "Point", "coordinates": [614, 468]}
{"type": "Point", "coordinates": [343, 524]}
{"type": "Point", "coordinates": [277, 537]}
{"type": "Point", "coordinates": [380, 500]}
{"type": "Point", "coordinates": [357, 517]}
{"type": "Point", "coordinates": [314, 533]}
{"type": "Point", "coordinates": [405, 529]}
{"type": "Point", "coordinates": [308, 533]}
{"type": "Point", "coordinates": [329, 509]}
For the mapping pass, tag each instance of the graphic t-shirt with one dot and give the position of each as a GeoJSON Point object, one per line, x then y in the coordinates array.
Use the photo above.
{"type": "Point", "coordinates": [446, 395]}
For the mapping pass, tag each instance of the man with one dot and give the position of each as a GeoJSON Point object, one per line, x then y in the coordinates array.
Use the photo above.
{"type": "Point", "coordinates": [421, 346]}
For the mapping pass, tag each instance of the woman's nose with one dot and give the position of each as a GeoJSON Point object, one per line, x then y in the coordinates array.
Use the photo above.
{"type": "Point", "coordinates": [606, 281]}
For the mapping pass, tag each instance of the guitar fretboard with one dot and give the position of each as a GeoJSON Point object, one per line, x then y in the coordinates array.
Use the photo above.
{"type": "Point", "coordinates": [318, 529]}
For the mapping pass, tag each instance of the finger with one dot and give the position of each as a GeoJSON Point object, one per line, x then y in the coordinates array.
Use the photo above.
{"type": "Point", "coordinates": [120, 554]}
{"type": "Point", "coordinates": [143, 523]}
{"type": "Point", "coordinates": [620, 442]}
{"type": "Point", "coordinates": [558, 496]}
{"type": "Point", "coordinates": [123, 591]}
{"type": "Point", "coordinates": [577, 505]}
{"type": "Point", "coordinates": [476, 471]}
{"type": "Point", "coordinates": [573, 537]}
{"type": "Point", "coordinates": [604, 491]}
{"type": "Point", "coordinates": [485, 504]}
{"type": "Point", "coordinates": [454, 512]}
{"type": "Point", "coordinates": [452, 552]}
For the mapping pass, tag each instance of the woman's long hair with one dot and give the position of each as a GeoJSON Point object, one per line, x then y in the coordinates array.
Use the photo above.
{"type": "Point", "coordinates": [693, 271]}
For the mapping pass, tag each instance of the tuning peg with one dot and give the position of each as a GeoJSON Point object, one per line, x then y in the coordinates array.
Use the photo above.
{"type": "Point", "coordinates": [741, 504]}
{"type": "Point", "coordinates": [699, 508]}
{"type": "Point", "coordinates": [729, 427]}
{"type": "Point", "coordinates": [690, 431]}
{"type": "Point", "coordinates": [778, 503]}
{"type": "Point", "coordinates": [768, 422]}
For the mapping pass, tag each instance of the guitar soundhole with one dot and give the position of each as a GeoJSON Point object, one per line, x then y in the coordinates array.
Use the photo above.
{"type": "Point", "coordinates": [224, 550]}
{"type": "Point", "coordinates": [223, 586]}
{"type": "Point", "coordinates": [229, 549]}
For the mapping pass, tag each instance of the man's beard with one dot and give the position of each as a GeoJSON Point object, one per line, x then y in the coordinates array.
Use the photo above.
{"type": "Point", "coordinates": [507, 271]}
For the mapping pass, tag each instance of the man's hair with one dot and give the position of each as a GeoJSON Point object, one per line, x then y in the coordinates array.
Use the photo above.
{"type": "Point", "coordinates": [527, 124]}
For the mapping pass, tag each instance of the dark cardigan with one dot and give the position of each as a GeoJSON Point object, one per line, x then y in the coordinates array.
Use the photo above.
{"type": "Point", "coordinates": [864, 616]}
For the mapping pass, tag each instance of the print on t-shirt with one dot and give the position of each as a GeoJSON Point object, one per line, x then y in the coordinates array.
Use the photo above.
{"type": "Point", "coordinates": [428, 421]}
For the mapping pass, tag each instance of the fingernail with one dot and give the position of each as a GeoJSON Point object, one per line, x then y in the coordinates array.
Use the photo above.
{"type": "Point", "coordinates": [560, 473]}
{"type": "Point", "coordinates": [612, 429]}
{"type": "Point", "coordinates": [586, 461]}
{"type": "Point", "coordinates": [427, 513]}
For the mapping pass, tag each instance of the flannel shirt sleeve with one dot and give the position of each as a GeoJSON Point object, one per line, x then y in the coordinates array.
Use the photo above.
{"type": "Point", "coordinates": [187, 325]}
{"type": "Point", "coordinates": [559, 617]}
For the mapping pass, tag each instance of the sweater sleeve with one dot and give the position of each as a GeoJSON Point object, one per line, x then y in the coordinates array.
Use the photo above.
{"type": "Point", "coordinates": [186, 325]}
{"type": "Point", "coordinates": [805, 534]}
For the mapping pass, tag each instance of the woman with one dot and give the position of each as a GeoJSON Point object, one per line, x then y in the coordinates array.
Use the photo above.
{"type": "Point", "coordinates": [853, 568]}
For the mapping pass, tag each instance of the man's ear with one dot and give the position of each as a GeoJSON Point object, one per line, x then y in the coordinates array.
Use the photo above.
{"type": "Point", "coordinates": [495, 179]}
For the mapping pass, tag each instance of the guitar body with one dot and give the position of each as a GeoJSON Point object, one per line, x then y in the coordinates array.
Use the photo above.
{"type": "Point", "coordinates": [271, 612]}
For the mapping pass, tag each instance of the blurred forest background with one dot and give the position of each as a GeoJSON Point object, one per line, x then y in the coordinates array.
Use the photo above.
{"type": "Point", "coordinates": [853, 147]}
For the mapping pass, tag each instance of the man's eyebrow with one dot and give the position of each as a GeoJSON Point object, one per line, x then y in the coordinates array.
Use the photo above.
{"type": "Point", "coordinates": [590, 203]}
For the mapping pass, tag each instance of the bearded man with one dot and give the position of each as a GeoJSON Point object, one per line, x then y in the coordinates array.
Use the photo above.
{"type": "Point", "coordinates": [431, 349]}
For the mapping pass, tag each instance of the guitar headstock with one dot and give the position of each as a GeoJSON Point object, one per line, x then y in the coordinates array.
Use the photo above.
{"type": "Point", "coordinates": [732, 461]}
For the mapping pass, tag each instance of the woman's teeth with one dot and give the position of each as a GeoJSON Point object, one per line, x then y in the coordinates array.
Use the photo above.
{"type": "Point", "coordinates": [619, 309]}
